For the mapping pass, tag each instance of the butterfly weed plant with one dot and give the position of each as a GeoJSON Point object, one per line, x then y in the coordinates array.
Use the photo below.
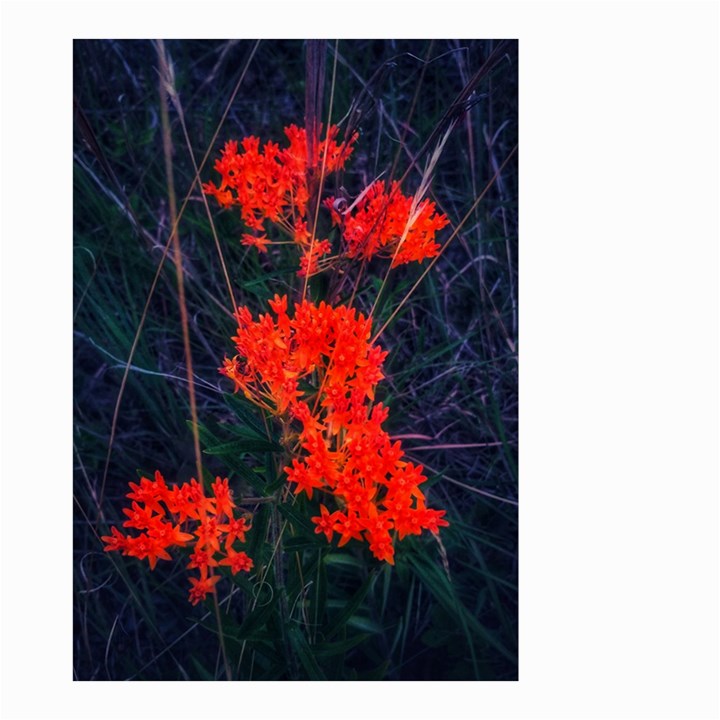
{"type": "Point", "coordinates": [309, 541]}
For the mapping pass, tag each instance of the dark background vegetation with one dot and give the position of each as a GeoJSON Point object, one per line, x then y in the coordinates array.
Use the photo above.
{"type": "Point", "coordinates": [451, 371]}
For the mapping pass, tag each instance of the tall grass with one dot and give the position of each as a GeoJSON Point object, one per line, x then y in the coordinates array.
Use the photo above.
{"type": "Point", "coordinates": [308, 610]}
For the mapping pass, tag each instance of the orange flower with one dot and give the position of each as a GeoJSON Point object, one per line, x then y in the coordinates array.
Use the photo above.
{"type": "Point", "coordinates": [382, 548]}
{"type": "Point", "coordinates": [348, 526]}
{"type": "Point", "coordinates": [238, 561]}
{"type": "Point", "coordinates": [200, 587]}
{"type": "Point", "coordinates": [168, 534]}
{"type": "Point", "coordinates": [223, 497]}
{"type": "Point", "coordinates": [145, 546]}
{"type": "Point", "coordinates": [388, 224]}
{"type": "Point", "coordinates": [184, 503]}
{"type": "Point", "coordinates": [235, 529]}
{"type": "Point", "coordinates": [209, 534]}
{"type": "Point", "coordinates": [202, 560]}
{"type": "Point", "coordinates": [138, 517]}
{"type": "Point", "coordinates": [303, 479]}
{"type": "Point", "coordinates": [115, 541]}
{"type": "Point", "coordinates": [325, 522]}
{"type": "Point", "coordinates": [317, 367]}
{"type": "Point", "coordinates": [260, 242]}
{"type": "Point", "coordinates": [271, 184]}
{"type": "Point", "coordinates": [311, 256]}
{"type": "Point", "coordinates": [150, 492]}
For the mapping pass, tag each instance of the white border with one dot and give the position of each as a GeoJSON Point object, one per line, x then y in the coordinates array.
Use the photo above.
{"type": "Point", "coordinates": [619, 359]}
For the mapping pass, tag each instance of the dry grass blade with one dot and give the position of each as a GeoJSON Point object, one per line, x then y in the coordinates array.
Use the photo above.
{"type": "Point", "coordinates": [167, 88]}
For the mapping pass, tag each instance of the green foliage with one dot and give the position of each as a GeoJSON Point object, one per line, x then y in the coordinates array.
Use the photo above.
{"type": "Point", "coordinates": [308, 610]}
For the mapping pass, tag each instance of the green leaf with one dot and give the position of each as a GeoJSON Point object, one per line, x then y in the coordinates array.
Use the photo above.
{"type": "Point", "coordinates": [247, 413]}
{"type": "Point", "coordinates": [202, 671]}
{"type": "Point", "coordinates": [242, 445]}
{"type": "Point", "coordinates": [253, 476]}
{"type": "Point", "coordinates": [438, 584]}
{"type": "Point", "coordinates": [304, 652]}
{"type": "Point", "coordinates": [276, 484]}
{"type": "Point", "coordinates": [257, 535]}
{"type": "Point", "coordinates": [299, 520]}
{"type": "Point", "coordinates": [300, 543]}
{"type": "Point", "coordinates": [377, 673]}
{"type": "Point", "coordinates": [297, 583]}
{"type": "Point", "coordinates": [321, 587]}
{"type": "Point", "coordinates": [256, 619]}
{"type": "Point", "coordinates": [342, 618]}
{"type": "Point", "coordinates": [365, 624]}
{"type": "Point", "coordinates": [344, 559]}
{"type": "Point", "coordinates": [330, 649]}
{"type": "Point", "coordinates": [206, 436]}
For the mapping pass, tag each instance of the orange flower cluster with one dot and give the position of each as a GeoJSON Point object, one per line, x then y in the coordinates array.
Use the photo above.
{"type": "Point", "coordinates": [271, 184]}
{"type": "Point", "coordinates": [318, 367]}
{"type": "Point", "coordinates": [386, 223]}
{"type": "Point", "coordinates": [216, 534]}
